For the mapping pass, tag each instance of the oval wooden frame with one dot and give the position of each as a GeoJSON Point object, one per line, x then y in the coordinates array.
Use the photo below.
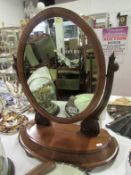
{"type": "Point", "coordinates": [67, 14]}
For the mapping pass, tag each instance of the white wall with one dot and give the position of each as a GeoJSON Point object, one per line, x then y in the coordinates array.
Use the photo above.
{"type": "Point", "coordinates": [122, 80]}
{"type": "Point", "coordinates": [11, 12]}
{"type": "Point", "coordinates": [79, 6]}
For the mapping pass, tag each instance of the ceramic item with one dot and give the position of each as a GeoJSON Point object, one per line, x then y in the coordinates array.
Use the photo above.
{"type": "Point", "coordinates": [43, 90]}
{"type": "Point", "coordinates": [11, 122]}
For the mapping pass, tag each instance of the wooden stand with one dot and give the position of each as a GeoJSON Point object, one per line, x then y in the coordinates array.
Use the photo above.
{"type": "Point", "coordinates": [86, 146]}
{"type": "Point", "coordinates": [56, 138]}
{"type": "Point", "coordinates": [66, 143]}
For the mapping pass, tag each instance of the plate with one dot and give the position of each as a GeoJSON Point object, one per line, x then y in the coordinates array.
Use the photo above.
{"type": "Point", "coordinates": [121, 101]}
{"type": "Point", "coordinates": [120, 107]}
{"type": "Point", "coordinates": [12, 121]}
{"type": "Point", "coordinates": [7, 97]}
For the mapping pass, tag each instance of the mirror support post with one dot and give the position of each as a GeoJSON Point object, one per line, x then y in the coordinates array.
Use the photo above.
{"type": "Point", "coordinates": [39, 120]}
{"type": "Point", "coordinates": [90, 126]}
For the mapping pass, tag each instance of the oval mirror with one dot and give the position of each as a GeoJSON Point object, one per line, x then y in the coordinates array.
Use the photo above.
{"type": "Point", "coordinates": [62, 65]}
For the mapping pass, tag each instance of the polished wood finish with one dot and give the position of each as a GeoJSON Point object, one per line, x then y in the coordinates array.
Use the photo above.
{"type": "Point", "coordinates": [86, 145]}
{"type": "Point", "coordinates": [100, 60]}
{"type": "Point", "coordinates": [66, 143]}
{"type": "Point", "coordinates": [43, 168]}
{"type": "Point", "coordinates": [90, 126]}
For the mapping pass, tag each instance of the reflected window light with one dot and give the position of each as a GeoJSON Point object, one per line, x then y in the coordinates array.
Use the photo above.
{"type": "Point", "coordinates": [41, 27]}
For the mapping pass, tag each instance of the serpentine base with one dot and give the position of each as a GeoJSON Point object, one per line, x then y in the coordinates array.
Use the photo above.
{"type": "Point", "coordinates": [65, 143]}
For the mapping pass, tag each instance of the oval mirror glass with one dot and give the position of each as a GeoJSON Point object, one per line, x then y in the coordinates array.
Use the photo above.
{"type": "Point", "coordinates": [62, 65]}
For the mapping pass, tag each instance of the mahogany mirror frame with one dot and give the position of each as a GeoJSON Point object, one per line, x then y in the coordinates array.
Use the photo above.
{"type": "Point", "coordinates": [100, 61]}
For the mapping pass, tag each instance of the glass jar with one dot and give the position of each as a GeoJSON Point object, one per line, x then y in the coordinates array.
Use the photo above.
{"type": "Point", "coordinates": [3, 161]}
{"type": "Point", "coordinates": [2, 107]}
{"type": "Point", "coordinates": [44, 92]}
{"type": "Point", "coordinates": [6, 164]}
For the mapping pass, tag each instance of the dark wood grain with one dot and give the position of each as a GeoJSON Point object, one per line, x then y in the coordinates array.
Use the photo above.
{"type": "Point", "coordinates": [43, 168]}
{"type": "Point", "coordinates": [65, 143]}
{"type": "Point", "coordinates": [90, 126]}
{"type": "Point", "coordinates": [100, 60]}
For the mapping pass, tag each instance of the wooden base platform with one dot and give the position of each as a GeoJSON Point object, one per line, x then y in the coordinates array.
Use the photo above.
{"type": "Point", "coordinates": [65, 143]}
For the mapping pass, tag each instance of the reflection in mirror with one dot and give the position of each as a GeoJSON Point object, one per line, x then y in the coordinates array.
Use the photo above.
{"type": "Point", "coordinates": [60, 67]}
